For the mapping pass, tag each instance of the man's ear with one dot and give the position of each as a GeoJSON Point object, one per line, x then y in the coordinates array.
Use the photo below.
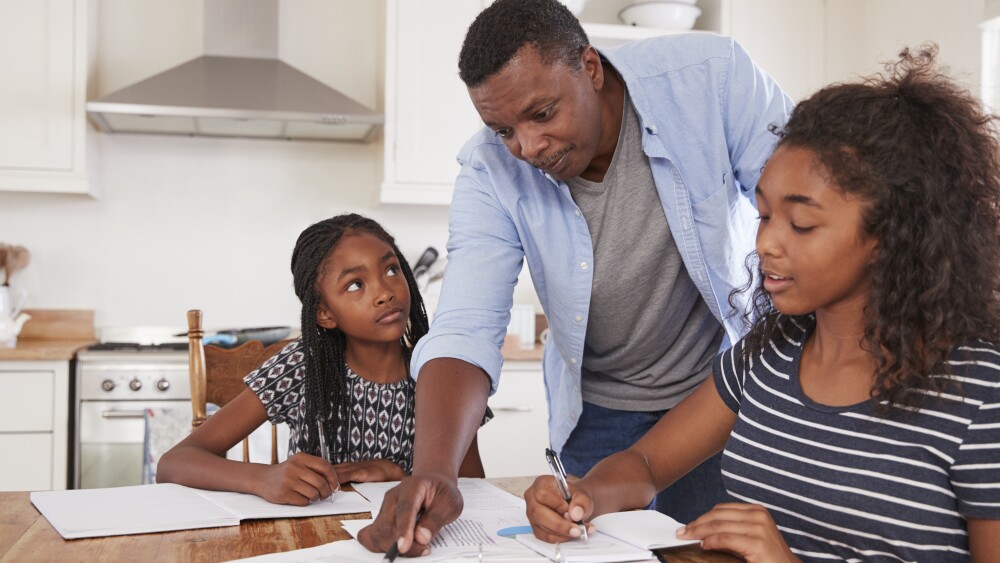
{"type": "Point", "coordinates": [324, 317]}
{"type": "Point", "coordinates": [591, 61]}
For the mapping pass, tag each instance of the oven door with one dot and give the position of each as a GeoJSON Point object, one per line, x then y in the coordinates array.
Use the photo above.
{"type": "Point", "coordinates": [112, 434]}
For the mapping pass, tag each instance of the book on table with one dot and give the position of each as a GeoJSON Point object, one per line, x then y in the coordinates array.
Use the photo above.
{"type": "Point", "coordinates": [88, 513]}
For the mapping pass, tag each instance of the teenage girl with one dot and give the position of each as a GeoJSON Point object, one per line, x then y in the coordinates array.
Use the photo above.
{"type": "Point", "coordinates": [860, 417]}
{"type": "Point", "coordinates": [346, 378]}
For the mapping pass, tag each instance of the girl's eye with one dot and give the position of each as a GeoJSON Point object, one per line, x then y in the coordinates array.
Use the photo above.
{"type": "Point", "coordinates": [392, 271]}
{"type": "Point", "coordinates": [801, 230]}
{"type": "Point", "coordinates": [354, 286]}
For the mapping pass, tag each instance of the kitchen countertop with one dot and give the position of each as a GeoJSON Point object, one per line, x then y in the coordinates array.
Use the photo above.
{"type": "Point", "coordinates": [43, 350]}
{"type": "Point", "coordinates": [52, 335]}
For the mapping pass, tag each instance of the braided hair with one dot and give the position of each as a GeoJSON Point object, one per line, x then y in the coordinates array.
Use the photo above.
{"type": "Point", "coordinates": [326, 398]}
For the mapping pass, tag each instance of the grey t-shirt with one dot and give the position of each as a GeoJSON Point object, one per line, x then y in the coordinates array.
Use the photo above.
{"type": "Point", "coordinates": [650, 336]}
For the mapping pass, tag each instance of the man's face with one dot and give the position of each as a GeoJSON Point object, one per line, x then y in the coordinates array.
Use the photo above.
{"type": "Point", "coordinates": [548, 114]}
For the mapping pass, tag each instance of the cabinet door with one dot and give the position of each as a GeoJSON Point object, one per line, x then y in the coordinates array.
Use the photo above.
{"type": "Point", "coordinates": [514, 442]}
{"type": "Point", "coordinates": [785, 38]}
{"type": "Point", "coordinates": [34, 424]}
{"type": "Point", "coordinates": [42, 127]}
{"type": "Point", "coordinates": [26, 401]}
{"type": "Point", "coordinates": [428, 112]}
{"type": "Point", "coordinates": [27, 462]}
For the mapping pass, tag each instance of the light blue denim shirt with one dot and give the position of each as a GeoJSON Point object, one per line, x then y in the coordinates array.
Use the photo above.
{"type": "Point", "coordinates": [705, 109]}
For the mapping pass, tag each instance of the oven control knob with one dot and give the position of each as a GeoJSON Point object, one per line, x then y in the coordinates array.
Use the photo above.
{"type": "Point", "coordinates": [135, 385]}
{"type": "Point", "coordinates": [107, 385]}
{"type": "Point", "coordinates": [163, 385]}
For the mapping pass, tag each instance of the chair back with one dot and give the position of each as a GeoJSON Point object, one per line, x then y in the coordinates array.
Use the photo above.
{"type": "Point", "coordinates": [217, 374]}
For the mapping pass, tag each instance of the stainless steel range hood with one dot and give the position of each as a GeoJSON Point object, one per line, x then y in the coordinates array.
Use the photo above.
{"type": "Point", "coordinates": [238, 89]}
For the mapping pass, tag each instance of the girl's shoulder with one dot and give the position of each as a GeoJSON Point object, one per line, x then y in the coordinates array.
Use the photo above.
{"type": "Point", "coordinates": [285, 362]}
{"type": "Point", "coordinates": [977, 361]}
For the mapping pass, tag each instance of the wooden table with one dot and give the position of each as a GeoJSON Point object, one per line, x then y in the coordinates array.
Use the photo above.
{"type": "Point", "coordinates": [25, 535]}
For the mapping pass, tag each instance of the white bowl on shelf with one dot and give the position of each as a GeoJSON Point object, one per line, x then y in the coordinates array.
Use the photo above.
{"type": "Point", "coordinates": [575, 6]}
{"type": "Point", "coordinates": [673, 16]}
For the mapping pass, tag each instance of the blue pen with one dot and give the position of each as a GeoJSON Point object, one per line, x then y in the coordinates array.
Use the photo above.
{"type": "Point", "coordinates": [559, 473]}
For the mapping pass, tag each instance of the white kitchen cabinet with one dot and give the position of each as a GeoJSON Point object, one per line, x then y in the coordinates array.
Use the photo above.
{"type": "Point", "coordinates": [43, 61]}
{"type": "Point", "coordinates": [514, 442]}
{"type": "Point", "coordinates": [427, 108]}
{"type": "Point", "coordinates": [428, 114]}
{"type": "Point", "coordinates": [34, 425]}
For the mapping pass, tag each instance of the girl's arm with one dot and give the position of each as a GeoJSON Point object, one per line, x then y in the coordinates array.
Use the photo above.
{"type": "Point", "coordinates": [199, 460]}
{"type": "Point", "coordinates": [690, 433]}
{"type": "Point", "coordinates": [983, 544]}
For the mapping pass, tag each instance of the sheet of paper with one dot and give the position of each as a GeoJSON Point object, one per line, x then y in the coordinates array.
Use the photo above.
{"type": "Point", "coordinates": [643, 528]}
{"type": "Point", "coordinates": [476, 493]}
{"type": "Point", "coordinates": [251, 507]}
{"type": "Point", "coordinates": [87, 513]}
{"type": "Point", "coordinates": [601, 548]}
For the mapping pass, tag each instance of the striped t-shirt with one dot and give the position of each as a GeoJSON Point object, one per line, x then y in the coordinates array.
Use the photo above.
{"type": "Point", "coordinates": [842, 483]}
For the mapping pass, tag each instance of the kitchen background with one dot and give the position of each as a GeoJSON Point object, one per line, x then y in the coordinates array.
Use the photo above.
{"type": "Point", "coordinates": [177, 222]}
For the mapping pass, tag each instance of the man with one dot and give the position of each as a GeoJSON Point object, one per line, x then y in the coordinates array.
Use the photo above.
{"type": "Point", "coordinates": [625, 180]}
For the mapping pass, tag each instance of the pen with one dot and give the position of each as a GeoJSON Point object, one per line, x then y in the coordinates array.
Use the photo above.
{"type": "Point", "coordinates": [393, 552]}
{"type": "Point", "coordinates": [324, 449]}
{"type": "Point", "coordinates": [559, 473]}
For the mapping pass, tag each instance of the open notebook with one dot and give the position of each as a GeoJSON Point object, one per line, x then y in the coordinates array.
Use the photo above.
{"type": "Point", "coordinates": [621, 536]}
{"type": "Point", "coordinates": [88, 513]}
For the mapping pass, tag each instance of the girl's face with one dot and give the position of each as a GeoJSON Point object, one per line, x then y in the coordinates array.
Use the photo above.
{"type": "Point", "coordinates": [363, 291]}
{"type": "Point", "coordinates": [812, 249]}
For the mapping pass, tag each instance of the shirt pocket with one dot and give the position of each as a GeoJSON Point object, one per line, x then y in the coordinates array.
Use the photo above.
{"type": "Point", "coordinates": [726, 222]}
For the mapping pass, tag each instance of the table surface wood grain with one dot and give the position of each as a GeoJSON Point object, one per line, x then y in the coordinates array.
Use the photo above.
{"type": "Point", "coordinates": [25, 535]}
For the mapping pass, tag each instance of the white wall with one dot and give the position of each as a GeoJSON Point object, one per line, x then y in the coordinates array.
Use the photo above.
{"type": "Point", "coordinates": [863, 34]}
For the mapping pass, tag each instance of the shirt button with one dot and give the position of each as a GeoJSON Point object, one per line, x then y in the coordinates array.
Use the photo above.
{"type": "Point", "coordinates": [577, 212]}
{"type": "Point", "coordinates": [572, 361]}
{"type": "Point", "coordinates": [583, 265]}
{"type": "Point", "coordinates": [578, 318]}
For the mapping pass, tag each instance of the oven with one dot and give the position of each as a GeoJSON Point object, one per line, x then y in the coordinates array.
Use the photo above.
{"type": "Point", "coordinates": [115, 383]}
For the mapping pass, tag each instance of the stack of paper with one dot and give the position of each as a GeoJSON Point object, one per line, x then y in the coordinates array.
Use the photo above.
{"type": "Point", "coordinates": [88, 513]}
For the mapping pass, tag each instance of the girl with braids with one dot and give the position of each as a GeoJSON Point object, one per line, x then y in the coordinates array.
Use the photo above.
{"type": "Point", "coordinates": [860, 417]}
{"type": "Point", "coordinates": [346, 379]}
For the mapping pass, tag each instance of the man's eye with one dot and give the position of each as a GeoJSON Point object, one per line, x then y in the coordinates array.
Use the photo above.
{"type": "Point", "coordinates": [542, 115]}
{"type": "Point", "coordinates": [502, 132]}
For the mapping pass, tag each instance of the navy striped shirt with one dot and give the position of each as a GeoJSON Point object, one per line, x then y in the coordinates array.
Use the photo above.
{"type": "Point", "coordinates": [842, 483]}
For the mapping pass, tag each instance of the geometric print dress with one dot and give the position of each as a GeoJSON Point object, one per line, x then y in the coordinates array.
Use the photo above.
{"type": "Point", "coordinates": [381, 415]}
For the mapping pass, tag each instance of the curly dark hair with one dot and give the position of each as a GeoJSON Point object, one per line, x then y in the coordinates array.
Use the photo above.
{"type": "Point", "coordinates": [923, 157]}
{"type": "Point", "coordinates": [325, 388]}
{"type": "Point", "coordinates": [500, 31]}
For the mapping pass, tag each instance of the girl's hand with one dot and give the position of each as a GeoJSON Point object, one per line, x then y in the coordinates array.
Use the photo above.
{"type": "Point", "coordinates": [746, 530]}
{"type": "Point", "coordinates": [298, 480]}
{"type": "Point", "coordinates": [369, 471]}
{"type": "Point", "coordinates": [552, 519]}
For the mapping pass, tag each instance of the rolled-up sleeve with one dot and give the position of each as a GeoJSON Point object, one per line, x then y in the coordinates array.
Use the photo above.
{"type": "Point", "coordinates": [485, 257]}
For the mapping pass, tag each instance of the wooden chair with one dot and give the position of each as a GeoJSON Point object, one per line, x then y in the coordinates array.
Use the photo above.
{"type": "Point", "coordinates": [217, 374]}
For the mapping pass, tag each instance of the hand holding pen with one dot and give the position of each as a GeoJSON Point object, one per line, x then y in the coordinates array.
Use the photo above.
{"type": "Point", "coordinates": [559, 473]}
